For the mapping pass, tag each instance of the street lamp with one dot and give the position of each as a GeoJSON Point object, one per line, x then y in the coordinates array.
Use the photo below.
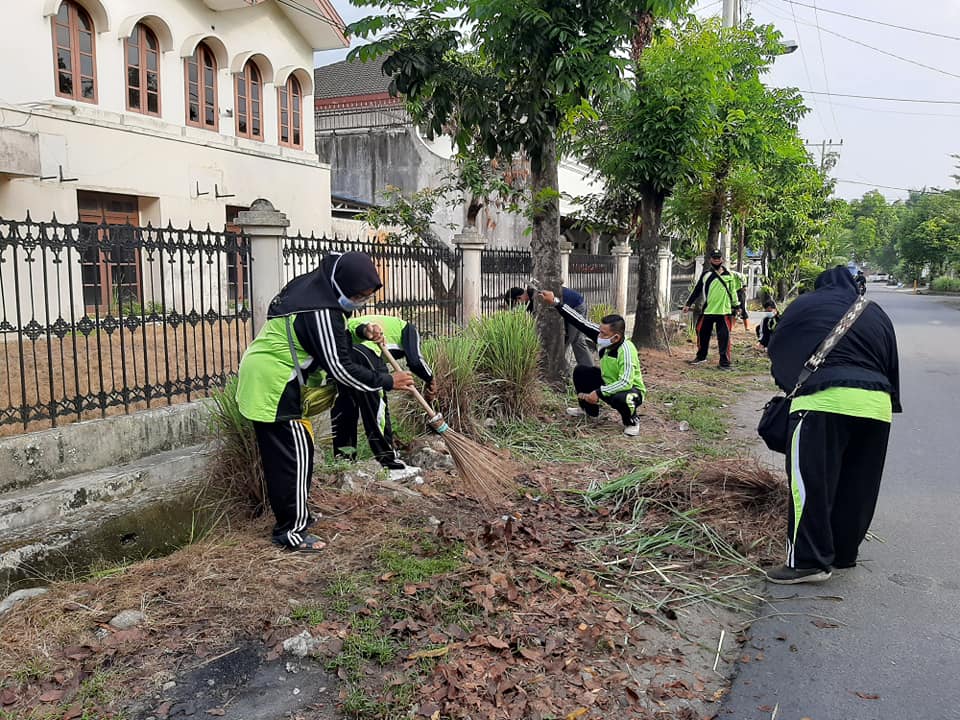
{"type": "Point", "coordinates": [789, 46]}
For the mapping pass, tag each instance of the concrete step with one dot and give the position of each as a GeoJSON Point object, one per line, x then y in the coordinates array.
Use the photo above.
{"type": "Point", "coordinates": [138, 509]}
{"type": "Point", "coordinates": [32, 458]}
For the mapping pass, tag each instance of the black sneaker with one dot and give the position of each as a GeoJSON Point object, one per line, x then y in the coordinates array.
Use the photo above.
{"type": "Point", "coordinates": [696, 361]}
{"type": "Point", "coordinates": [393, 464]}
{"type": "Point", "coordinates": [785, 575]}
{"type": "Point", "coordinates": [726, 367]}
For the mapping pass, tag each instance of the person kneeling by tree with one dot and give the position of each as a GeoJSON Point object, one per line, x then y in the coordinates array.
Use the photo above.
{"type": "Point", "coordinates": [618, 381]}
{"type": "Point", "coordinates": [403, 341]}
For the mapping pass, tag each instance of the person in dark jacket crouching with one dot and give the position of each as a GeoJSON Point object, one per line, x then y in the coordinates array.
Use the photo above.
{"type": "Point", "coordinates": [839, 425]}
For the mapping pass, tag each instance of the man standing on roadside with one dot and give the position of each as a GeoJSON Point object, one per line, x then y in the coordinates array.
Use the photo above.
{"type": "Point", "coordinates": [839, 425]}
{"type": "Point", "coordinates": [722, 295]}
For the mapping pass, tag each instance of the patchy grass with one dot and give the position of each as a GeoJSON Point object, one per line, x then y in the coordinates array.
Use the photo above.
{"type": "Point", "coordinates": [701, 410]}
{"type": "Point", "coordinates": [311, 614]}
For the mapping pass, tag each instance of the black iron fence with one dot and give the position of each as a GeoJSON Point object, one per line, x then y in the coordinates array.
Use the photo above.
{"type": "Point", "coordinates": [97, 319]}
{"type": "Point", "coordinates": [592, 277]}
{"type": "Point", "coordinates": [420, 284]}
{"type": "Point", "coordinates": [501, 270]}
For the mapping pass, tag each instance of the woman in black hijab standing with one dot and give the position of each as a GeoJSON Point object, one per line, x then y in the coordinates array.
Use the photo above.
{"type": "Point", "coordinates": [305, 332]}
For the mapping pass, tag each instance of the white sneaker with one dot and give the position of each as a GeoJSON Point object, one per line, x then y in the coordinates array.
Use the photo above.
{"type": "Point", "coordinates": [632, 430]}
{"type": "Point", "coordinates": [407, 473]}
{"type": "Point", "coordinates": [575, 412]}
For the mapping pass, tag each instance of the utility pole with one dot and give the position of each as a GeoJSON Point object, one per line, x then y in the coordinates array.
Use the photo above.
{"type": "Point", "coordinates": [828, 157]}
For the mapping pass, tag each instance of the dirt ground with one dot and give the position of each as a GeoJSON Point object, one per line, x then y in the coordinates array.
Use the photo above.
{"type": "Point", "coordinates": [428, 604]}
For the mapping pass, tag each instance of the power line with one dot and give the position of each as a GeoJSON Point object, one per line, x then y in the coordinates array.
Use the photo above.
{"type": "Point", "coordinates": [875, 22]}
{"type": "Point", "coordinates": [311, 12]}
{"type": "Point", "coordinates": [954, 116]}
{"type": "Point", "coordinates": [911, 61]}
{"type": "Point", "coordinates": [806, 69]}
{"type": "Point", "coordinates": [876, 185]}
{"type": "Point", "coordinates": [885, 99]}
{"type": "Point", "coordinates": [823, 61]}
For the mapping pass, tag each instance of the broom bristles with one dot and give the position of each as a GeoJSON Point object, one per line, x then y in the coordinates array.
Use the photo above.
{"type": "Point", "coordinates": [486, 476]}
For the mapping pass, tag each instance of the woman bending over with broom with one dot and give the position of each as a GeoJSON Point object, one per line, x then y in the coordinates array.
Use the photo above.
{"type": "Point", "coordinates": [618, 381]}
{"type": "Point", "coordinates": [305, 332]}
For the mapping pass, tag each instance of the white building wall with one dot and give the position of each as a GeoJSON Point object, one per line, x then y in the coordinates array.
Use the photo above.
{"type": "Point", "coordinates": [111, 150]}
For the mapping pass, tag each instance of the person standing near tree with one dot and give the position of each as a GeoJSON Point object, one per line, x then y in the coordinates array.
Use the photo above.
{"type": "Point", "coordinates": [722, 295]}
{"type": "Point", "coordinates": [305, 332]}
{"type": "Point", "coordinates": [403, 341]}
{"type": "Point", "coordinates": [839, 425]}
{"type": "Point", "coordinates": [573, 339]}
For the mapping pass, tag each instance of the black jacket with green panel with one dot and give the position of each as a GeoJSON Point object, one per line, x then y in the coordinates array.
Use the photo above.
{"type": "Point", "coordinates": [720, 290]}
{"type": "Point", "coordinates": [403, 341]}
{"type": "Point", "coordinates": [619, 363]}
{"type": "Point", "coordinates": [306, 320]}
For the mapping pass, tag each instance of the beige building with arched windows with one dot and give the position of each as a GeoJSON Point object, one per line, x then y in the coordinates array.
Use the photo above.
{"type": "Point", "coordinates": [177, 112]}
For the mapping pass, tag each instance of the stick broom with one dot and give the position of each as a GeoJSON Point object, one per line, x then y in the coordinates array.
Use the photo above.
{"type": "Point", "coordinates": [486, 476]}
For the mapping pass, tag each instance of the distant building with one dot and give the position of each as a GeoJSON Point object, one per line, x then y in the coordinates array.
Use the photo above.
{"type": "Point", "coordinates": [371, 142]}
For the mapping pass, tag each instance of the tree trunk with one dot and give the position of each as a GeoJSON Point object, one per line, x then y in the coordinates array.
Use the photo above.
{"type": "Point", "coordinates": [740, 245]}
{"type": "Point", "coordinates": [545, 250]}
{"type": "Point", "coordinates": [643, 33]}
{"type": "Point", "coordinates": [716, 221]}
{"type": "Point", "coordinates": [646, 320]}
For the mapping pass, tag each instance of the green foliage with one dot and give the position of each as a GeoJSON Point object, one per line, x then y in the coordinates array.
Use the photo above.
{"type": "Point", "coordinates": [929, 233]}
{"type": "Point", "coordinates": [509, 360]}
{"type": "Point", "coordinates": [945, 284]}
{"type": "Point", "coordinates": [701, 410]}
{"type": "Point", "coordinates": [599, 311]}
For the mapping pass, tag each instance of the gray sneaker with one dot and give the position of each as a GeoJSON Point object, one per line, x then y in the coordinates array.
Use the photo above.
{"type": "Point", "coordinates": [696, 362]}
{"type": "Point", "coordinates": [785, 575]}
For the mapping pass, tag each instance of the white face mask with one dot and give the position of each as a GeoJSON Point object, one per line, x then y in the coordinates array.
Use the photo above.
{"type": "Point", "coordinates": [604, 342]}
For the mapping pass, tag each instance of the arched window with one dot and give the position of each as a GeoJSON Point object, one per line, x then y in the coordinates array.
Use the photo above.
{"type": "Point", "coordinates": [74, 53]}
{"type": "Point", "coordinates": [249, 110]}
{"type": "Point", "coordinates": [291, 106]}
{"type": "Point", "coordinates": [201, 79]}
{"type": "Point", "coordinates": [143, 71]}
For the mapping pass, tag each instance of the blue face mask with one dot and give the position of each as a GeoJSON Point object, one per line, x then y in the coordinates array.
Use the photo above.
{"type": "Point", "coordinates": [604, 342]}
{"type": "Point", "coordinates": [346, 303]}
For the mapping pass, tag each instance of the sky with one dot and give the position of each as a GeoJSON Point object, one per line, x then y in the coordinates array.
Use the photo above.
{"type": "Point", "coordinates": [888, 145]}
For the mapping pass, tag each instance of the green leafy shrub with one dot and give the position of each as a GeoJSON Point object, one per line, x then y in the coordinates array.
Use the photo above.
{"type": "Point", "coordinates": [945, 284]}
{"type": "Point", "coordinates": [509, 361]}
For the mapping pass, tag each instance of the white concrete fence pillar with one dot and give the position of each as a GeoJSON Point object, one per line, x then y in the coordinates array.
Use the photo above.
{"type": "Point", "coordinates": [566, 248]}
{"type": "Point", "coordinates": [621, 276]}
{"type": "Point", "coordinates": [665, 279]}
{"type": "Point", "coordinates": [266, 228]}
{"type": "Point", "coordinates": [471, 244]}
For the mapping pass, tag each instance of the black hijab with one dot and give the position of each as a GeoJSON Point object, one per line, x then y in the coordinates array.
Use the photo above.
{"type": "Point", "coordinates": [866, 357]}
{"type": "Point", "coordinates": [352, 272]}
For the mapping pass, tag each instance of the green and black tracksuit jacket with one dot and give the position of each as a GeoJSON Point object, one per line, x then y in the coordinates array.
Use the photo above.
{"type": "Point", "coordinates": [618, 381]}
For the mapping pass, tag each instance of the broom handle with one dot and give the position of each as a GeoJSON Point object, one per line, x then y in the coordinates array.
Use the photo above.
{"type": "Point", "coordinates": [413, 390]}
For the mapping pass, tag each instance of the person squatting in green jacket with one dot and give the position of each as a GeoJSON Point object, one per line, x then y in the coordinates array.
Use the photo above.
{"type": "Point", "coordinates": [403, 341]}
{"type": "Point", "coordinates": [618, 381]}
{"type": "Point", "coordinates": [718, 288]}
{"type": "Point", "coordinates": [305, 333]}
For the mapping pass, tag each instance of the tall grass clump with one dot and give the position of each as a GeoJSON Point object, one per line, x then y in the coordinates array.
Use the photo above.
{"type": "Point", "coordinates": [596, 313]}
{"type": "Point", "coordinates": [509, 361]}
{"type": "Point", "coordinates": [235, 470]}
{"type": "Point", "coordinates": [455, 362]}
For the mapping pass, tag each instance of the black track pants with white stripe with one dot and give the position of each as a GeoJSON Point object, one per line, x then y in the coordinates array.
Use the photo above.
{"type": "Point", "coordinates": [286, 451]}
{"type": "Point", "coordinates": [834, 463]}
{"type": "Point", "coordinates": [587, 379]}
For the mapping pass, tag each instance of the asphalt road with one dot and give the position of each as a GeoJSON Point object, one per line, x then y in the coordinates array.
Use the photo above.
{"type": "Point", "coordinates": [881, 641]}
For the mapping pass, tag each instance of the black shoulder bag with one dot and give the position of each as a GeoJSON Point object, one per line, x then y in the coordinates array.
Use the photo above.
{"type": "Point", "coordinates": [774, 425]}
